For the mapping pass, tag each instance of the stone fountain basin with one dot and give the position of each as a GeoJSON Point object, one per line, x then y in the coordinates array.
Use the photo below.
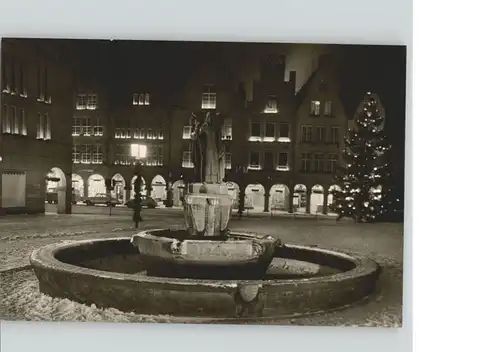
{"type": "Point", "coordinates": [112, 273]}
{"type": "Point", "coordinates": [174, 253]}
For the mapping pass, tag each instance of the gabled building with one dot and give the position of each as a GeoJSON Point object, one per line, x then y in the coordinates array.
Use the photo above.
{"type": "Point", "coordinates": [321, 124]}
{"type": "Point", "coordinates": [267, 152]}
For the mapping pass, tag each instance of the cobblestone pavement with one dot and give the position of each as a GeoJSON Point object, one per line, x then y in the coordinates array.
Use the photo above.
{"type": "Point", "coordinates": [19, 236]}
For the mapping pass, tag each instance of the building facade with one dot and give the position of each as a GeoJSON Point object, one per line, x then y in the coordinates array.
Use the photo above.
{"type": "Point", "coordinates": [267, 153]}
{"type": "Point", "coordinates": [281, 145]}
{"type": "Point", "coordinates": [35, 139]}
{"type": "Point", "coordinates": [321, 124]}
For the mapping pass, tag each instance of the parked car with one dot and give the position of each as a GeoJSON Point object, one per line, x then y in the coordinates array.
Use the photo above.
{"type": "Point", "coordinates": [101, 198]}
{"type": "Point", "coordinates": [145, 202]}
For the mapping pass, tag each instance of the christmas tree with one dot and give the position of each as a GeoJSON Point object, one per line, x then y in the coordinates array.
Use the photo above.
{"type": "Point", "coordinates": [361, 181]}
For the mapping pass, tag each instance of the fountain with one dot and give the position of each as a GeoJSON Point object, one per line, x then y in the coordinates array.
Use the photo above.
{"type": "Point", "coordinates": [204, 271]}
{"type": "Point", "coordinates": [206, 249]}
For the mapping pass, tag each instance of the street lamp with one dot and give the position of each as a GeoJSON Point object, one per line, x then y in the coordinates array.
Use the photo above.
{"type": "Point", "coordinates": [182, 190]}
{"type": "Point", "coordinates": [138, 152]}
{"type": "Point", "coordinates": [170, 199]}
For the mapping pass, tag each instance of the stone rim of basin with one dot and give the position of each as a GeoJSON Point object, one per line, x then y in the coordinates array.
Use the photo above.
{"type": "Point", "coordinates": [186, 250]}
{"type": "Point", "coordinates": [46, 257]}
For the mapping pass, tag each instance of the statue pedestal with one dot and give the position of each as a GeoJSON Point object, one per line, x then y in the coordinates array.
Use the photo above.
{"type": "Point", "coordinates": [207, 210]}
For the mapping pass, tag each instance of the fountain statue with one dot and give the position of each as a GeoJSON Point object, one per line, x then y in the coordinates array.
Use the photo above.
{"type": "Point", "coordinates": [208, 206]}
{"type": "Point", "coordinates": [206, 247]}
{"type": "Point", "coordinates": [208, 148]}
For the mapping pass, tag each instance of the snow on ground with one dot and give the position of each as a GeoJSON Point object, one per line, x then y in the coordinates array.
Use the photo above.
{"type": "Point", "coordinates": [20, 298]}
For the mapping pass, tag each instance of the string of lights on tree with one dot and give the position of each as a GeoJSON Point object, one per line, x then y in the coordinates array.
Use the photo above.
{"type": "Point", "coordinates": [362, 182]}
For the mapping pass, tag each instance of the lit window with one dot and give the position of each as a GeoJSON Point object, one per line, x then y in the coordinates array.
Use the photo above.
{"type": "Point", "coordinates": [86, 153]}
{"type": "Point", "coordinates": [186, 132]}
{"type": "Point", "coordinates": [315, 107]}
{"type": "Point", "coordinates": [160, 135]}
{"type": "Point", "coordinates": [270, 135]}
{"type": "Point", "coordinates": [305, 164]}
{"type": "Point", "coordinates": [43, 127]}
{"type": "Point", "coordinates": [328, 108]}
{"type": "Point", "coordinates": [5, 120]}
{"type": "Point", "coordinates": [128, 133]}
{"type": "Point", "coordinates": [187, 159]}
{"type": "Point", "coordinates": [149, 134]}
{"type": "Point", "coordinates": [227, 161]}
{"type": "Point", "coordinates": [40, 94]}
{"type": "Point", "coordinates": [306, 134]}
{"type": "Point", "coordinates": [5, 81]}
{"type": "Point", "coordinates": [151, 158]}
{"type": "Point", "coordinates": [254, 163]}
{"type": "Point", "coordinates": [141, 134]}
{"type": "Point", "coordinates": [81, 102]}
{"type": "Point", "coordinates": [97, 154]}
{"type": "Point", "coordinates": [140, 99]}
{"type": "Point", "coordinates": [24, 130]}
{"type": "Point", "coordinates": [255, 133]}
{"type": "Point", "coordinates": [120, 155]}
{"type": "Point", "coordinates": [209, 98]}
{"type": "Point", "coordinates": [76, 154]}
{"type": "Point", "coordinates": [86, 126]}
{"type": "Point", "coordinates": [284, 132]}
{"type": "Point", "coordinates": [48, 132]}
{"type": "Point", "coordinates": [283, 161]}
{"type": "Point", "coordinates": [92, 102]}
{"type": "Point", "coordinates": [271, 105]}
{"type": "Point", "coordinates": [15, 121]}
{"type": "Point", "coordinates": [320, 133]}
{"type": "Point", "coordinates": [13, 78]}
{"type": "Point", "coordinates": [22, 84]}
{"type": "Point", "coordinates": [77, 126]}
{"type": "Point", "coordinates": [39, 127]}
{"type": "Point", "coordinates": [98, 128]}
{"type": "Point", "coordinates": [136, 133]}
{"type": "Point", "coordinates": [227, 130]}
{"type": "Point", "coordinates": [118, 133]}
{"type": "Point", "coordinates": [138, 151]}
{"type": "Point", "coordinates": [159, 155]}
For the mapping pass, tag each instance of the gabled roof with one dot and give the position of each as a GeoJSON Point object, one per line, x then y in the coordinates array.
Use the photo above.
{"type": "Point", "coordinates": [303, 92]}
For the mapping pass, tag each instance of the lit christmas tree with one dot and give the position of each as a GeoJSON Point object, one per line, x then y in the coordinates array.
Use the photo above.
{"type": "Point", "coordinates": [361, 182]}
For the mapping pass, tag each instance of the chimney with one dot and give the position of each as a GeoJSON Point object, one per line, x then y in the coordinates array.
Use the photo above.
{"type": "Point", "coordinates": [273, 67]}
